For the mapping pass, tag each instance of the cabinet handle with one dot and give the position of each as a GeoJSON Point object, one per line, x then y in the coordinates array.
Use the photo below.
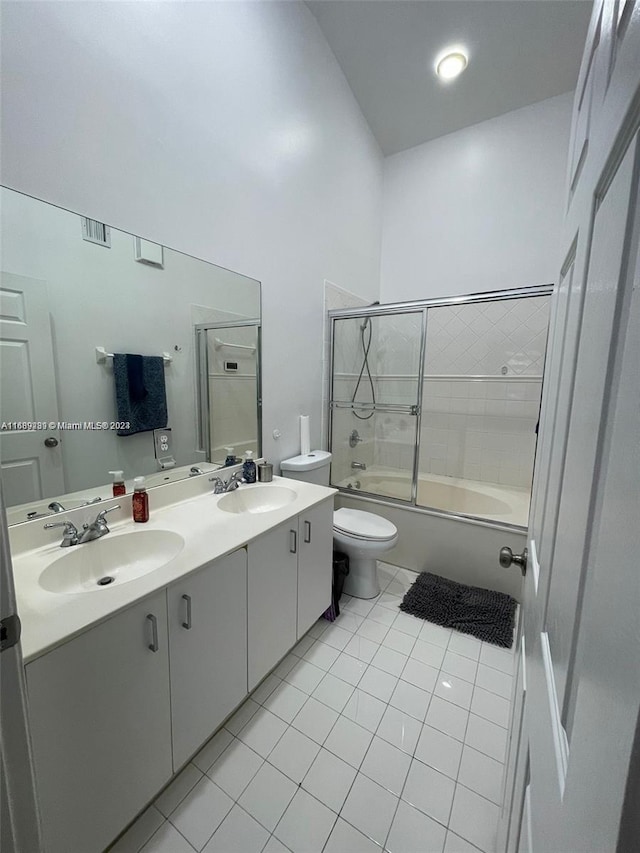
{"type": "Point", "coordinates": [307, 531]}
{"type": "Point", "coordinates": [293, 542]}
{"type": "Point", "coordinates": [153, 645]}
{"type": "Point", "coordinates": [187, 624]}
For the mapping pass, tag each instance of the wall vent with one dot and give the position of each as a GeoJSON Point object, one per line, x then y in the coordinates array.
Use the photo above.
{"type": "Point", "coordinates": [96, 232]}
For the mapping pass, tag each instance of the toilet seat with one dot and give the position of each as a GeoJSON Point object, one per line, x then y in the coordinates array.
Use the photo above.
{"type": "Point", "coordinates": [363, 525]}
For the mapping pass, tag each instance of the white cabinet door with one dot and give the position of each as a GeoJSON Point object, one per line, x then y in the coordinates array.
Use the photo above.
{"type": "Point", "coordinates": [315, 538]}
{"type": "Point", "coordinates": [101, 728]}
{"type": "Point", "coordinates": [272, 597]}
{"type": "Point", "coordinates": [208, 650]}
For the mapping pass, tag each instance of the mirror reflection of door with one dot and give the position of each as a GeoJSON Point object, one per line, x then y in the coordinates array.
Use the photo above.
{"type": "Point", "coordinates": [31, 459]}
{"type": "Point", "coordinates": [230, 391]}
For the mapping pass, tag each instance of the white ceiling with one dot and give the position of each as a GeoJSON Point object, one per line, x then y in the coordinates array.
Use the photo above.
{"type": "Point", "coordinates": [520, 52]}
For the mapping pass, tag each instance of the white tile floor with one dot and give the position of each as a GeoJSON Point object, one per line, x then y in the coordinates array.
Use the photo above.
{"type": "Point", "coordinates": [378, 732]}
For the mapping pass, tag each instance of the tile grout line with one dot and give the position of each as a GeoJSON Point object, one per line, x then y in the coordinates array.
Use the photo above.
{"type": "Point", "coordinates": [387, 704]}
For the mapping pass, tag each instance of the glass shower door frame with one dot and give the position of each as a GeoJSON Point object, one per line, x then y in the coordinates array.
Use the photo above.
{"type": "Point", "coordinates": [412, 409]}
{"type": "Point", "coordinates": [413, 307]}
{"type": "Point", "coordinates": [203, 401]}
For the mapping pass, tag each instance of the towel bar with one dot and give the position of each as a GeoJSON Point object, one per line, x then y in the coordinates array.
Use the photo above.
{"type": "Point", "coordinates": [218, 344]}
{"type": "Point", "coordinates": [102, 355]}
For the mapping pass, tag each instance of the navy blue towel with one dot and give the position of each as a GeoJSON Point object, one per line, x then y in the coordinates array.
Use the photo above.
{"type": "Point", "coordinates": [141, 398]}
{"type": "Point", "coordinates": [135, 376]}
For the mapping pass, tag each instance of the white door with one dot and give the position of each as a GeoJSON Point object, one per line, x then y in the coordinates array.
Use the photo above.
{"type": "Point", "coordinates": [573, 753]}
{"type": "Point", "coordinates": [31, 468]}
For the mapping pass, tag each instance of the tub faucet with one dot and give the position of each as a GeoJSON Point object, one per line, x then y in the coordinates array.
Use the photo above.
{"type": "Point", "coordinates": [359, 466]}
{"type": "Point", "coordinates": [194, 471]}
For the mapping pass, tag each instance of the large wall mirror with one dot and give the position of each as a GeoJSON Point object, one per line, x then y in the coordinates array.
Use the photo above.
{"type": "Point", "coordinates": [80, 302]}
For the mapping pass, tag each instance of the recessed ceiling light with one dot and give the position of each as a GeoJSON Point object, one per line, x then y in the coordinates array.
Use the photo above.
{"type": "Point", "coordinates": [450, 63]}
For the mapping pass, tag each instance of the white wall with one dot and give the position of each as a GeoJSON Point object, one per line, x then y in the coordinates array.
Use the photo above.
{"type": "Point", "coordinates": [480, 209]}
{"type": "Point", "coordinates": [225, 130]}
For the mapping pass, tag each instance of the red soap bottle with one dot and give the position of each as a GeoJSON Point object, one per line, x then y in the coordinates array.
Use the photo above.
{"type": "Point", "coordinates": [119, 487]}
{"type": "Point", "coordinates": [140, 501]}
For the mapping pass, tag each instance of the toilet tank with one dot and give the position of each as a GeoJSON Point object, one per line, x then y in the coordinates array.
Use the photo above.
{"type": "Point", "coordinates": [311, 467]}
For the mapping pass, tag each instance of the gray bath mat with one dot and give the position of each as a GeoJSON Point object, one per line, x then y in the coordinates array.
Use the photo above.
{"type": "Point", "coordinates": [483, 613]}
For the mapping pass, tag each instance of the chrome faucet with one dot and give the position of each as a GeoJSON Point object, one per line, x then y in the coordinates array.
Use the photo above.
{"type": "Point", "coordinates": [220, 486]}
{"type": "Point", "coordinates": [56, 506]}
{"type": "Point", "coordinates": [97, 528]}
{"type": "Point", "coordinates": [234, 481]}
{"type": "Point", "coordinates": [70, 535]}
{"type": "Point", "coordinates": [194, 471]}
{"type": "Point", "coordinates": [359, 466]}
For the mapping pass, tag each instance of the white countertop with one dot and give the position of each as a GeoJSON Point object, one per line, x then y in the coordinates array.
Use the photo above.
{"type": "Point", "coordinates": [49, 619]}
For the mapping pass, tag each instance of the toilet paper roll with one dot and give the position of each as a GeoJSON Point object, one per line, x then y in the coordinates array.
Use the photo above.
{"type": "Point", "coordinates": [305, 435]}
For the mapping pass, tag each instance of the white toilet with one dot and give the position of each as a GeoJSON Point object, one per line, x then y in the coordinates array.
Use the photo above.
{"type": "Point", "coordinates": [363, 536]}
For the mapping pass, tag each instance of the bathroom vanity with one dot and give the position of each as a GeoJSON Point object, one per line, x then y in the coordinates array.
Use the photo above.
{"type": "Point", "coordinates": [127, 680]}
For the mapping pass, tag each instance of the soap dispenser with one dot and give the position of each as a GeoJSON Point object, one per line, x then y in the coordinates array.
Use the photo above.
{"type": "Point", "coordinates": [140, 501]}
{"type": "Point", "coordinates": [249, 468]}
{"type": "Point", "coordinates": [231, 457]}
{"type": "Point", "coordinates": [119, 487]}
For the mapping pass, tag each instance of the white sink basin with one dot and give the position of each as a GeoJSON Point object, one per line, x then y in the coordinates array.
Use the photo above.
{"type": "Point", "coordinates": [110, 561]}
{"type": "Point", "coordinates": [257, 499]}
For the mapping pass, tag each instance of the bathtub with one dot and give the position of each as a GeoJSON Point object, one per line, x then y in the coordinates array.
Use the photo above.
{"type": "Point", "coordinates": [463, 546]}
{"type": "Point", "coordinates": [490, 501]}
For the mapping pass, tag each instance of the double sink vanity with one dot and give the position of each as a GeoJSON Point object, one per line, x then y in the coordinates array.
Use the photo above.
{"type": "Point", "coordinates": [138, 645]}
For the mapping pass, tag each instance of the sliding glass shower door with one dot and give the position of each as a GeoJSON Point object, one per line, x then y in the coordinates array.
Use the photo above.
{"type": "Point", "coordinates": [483, 369]}
{"type": "Point", "coordinates": [376, 394]}
{"type": "Point", "coordinates": [436, 403]}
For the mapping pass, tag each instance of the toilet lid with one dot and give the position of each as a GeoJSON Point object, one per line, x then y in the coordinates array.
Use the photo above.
{"type": "Point", "coordinates": [364, 525]}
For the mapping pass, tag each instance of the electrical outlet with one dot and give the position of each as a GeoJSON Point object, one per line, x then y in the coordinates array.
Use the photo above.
{"type": "Point", "coordinates": [163, 448]}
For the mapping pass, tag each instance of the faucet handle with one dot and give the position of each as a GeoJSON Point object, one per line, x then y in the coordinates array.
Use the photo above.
{"type": "Point", "coordinates": [70, 534]}
{"type": "Point", "coordinates": [91, 501]}
{"type": "Point", "coordinates": [218, 485]}
{"type": "Point", "coordinates": [100, 516]}
{"type": "Point", "coordinates": [234, 481]}
{"type": "Point", "coordinates": [69, 525]}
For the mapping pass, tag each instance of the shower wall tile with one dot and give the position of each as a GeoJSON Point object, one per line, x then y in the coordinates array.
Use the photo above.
{"type": "Point", "coordinates": [484, 430]}
{"type": "Point", "coordinates": [487, 337]}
